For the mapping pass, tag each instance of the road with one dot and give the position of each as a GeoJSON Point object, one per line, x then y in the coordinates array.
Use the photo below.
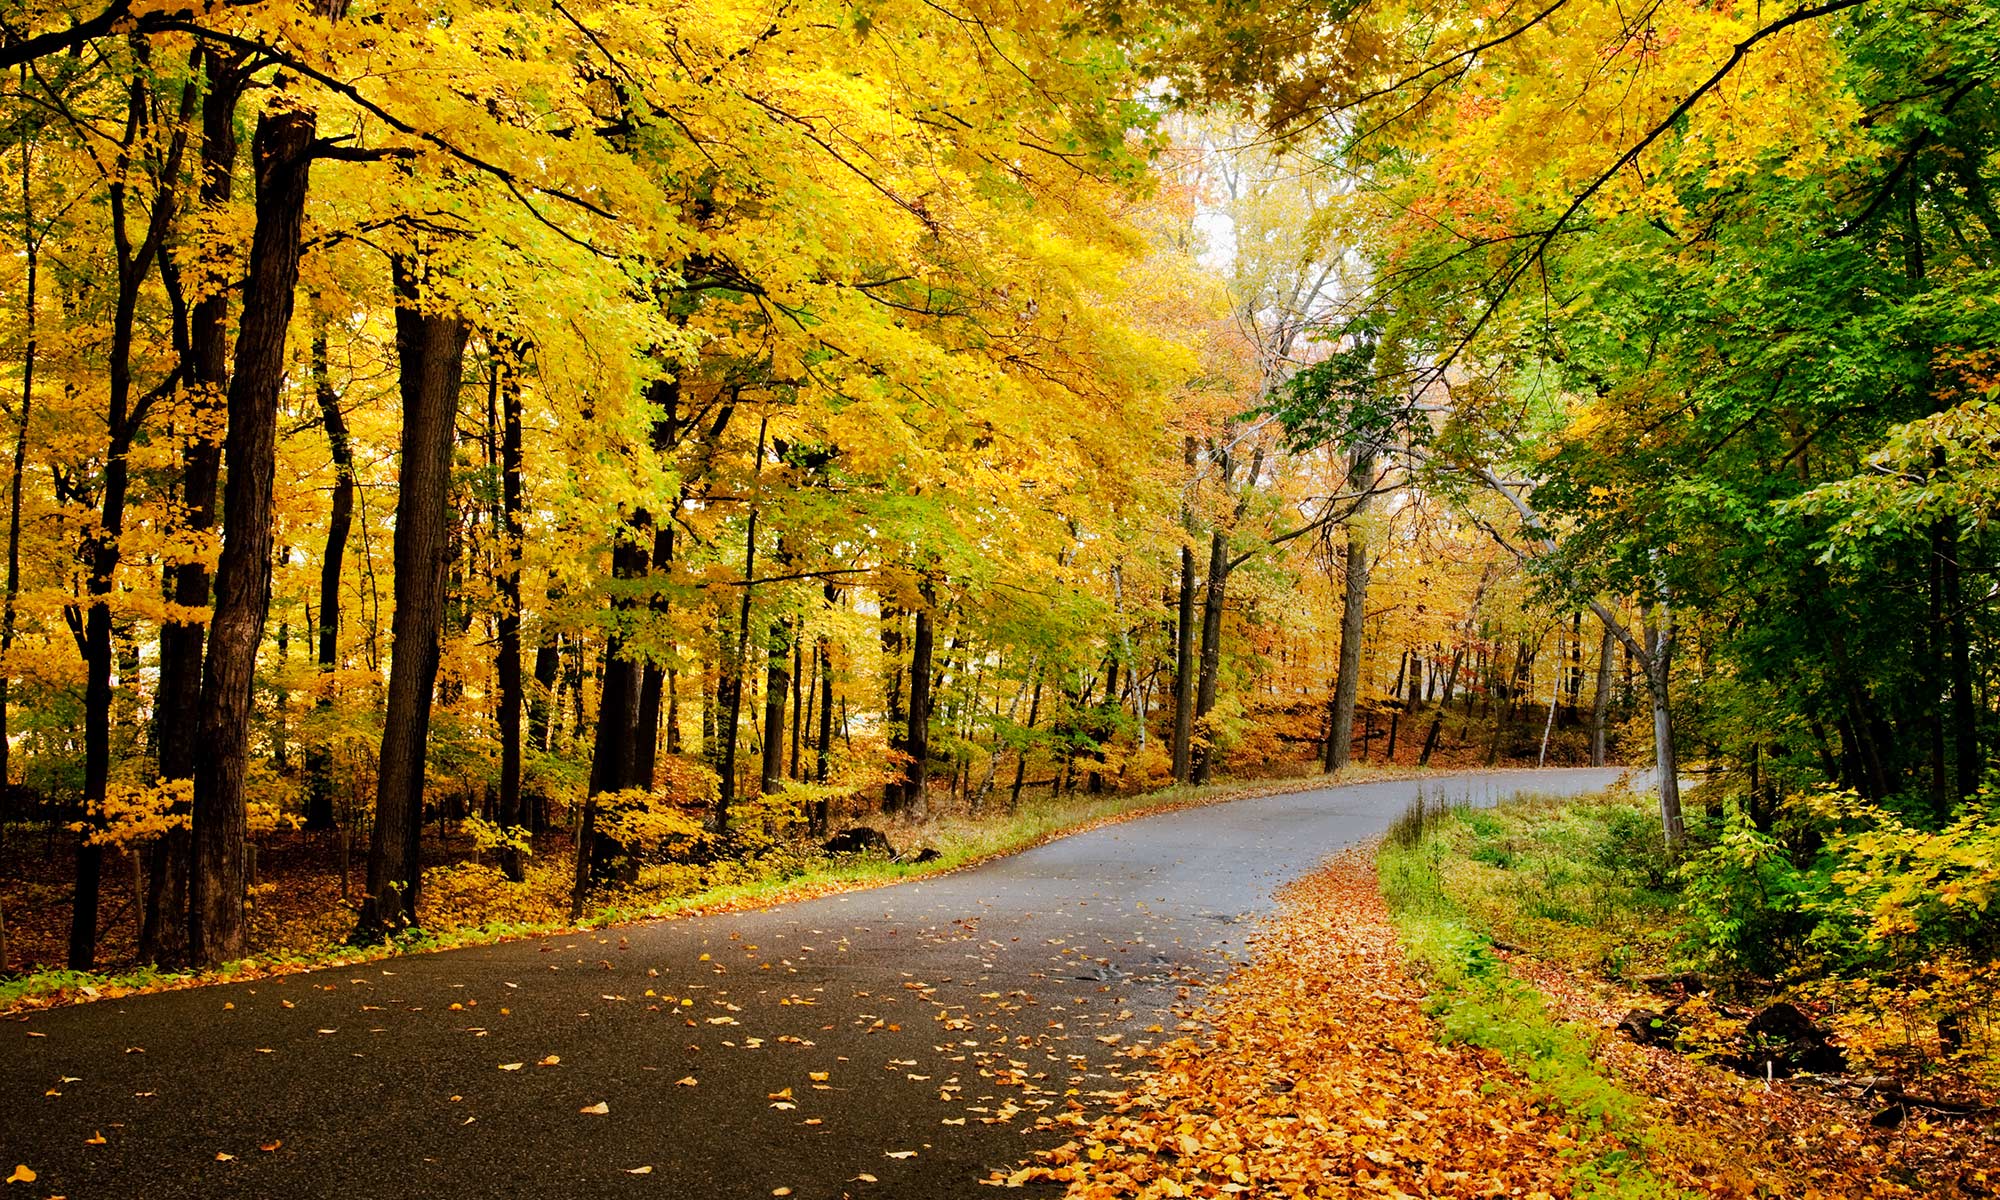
{"type": "Point", "coordinates": [890, 1043]}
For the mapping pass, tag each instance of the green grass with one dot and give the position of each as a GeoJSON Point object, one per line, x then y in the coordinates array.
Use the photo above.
{"type": "Point", "coordinates": [960, 840]}
{"type": "Point", "coordinates": [1476, 1000]}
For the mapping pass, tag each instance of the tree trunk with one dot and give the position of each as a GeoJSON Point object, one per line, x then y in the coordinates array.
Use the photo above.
{"type": "Point", "coordinates": [339, 522]}
{"type": "Point", "coordinates": [430, 348]}
{"type": "Point", "coordinates": [894, 715]}
{"type": "Point", "coordinates": [614, 759]}
{"type": "Point", "coordinates": [1203, 753]}
{"type": "Point", "coordinates": [1353, 617]}
{"type": "Point", "coordinates": [1600, 702]}
{"type": "Point", "coordinates": [1184, 670]}
{"type": "Point", "coordinates": [507, 662]}
{"type": "Point", "coordinates": [1437, 719]}
{"type": "Point", "coordinates": [282, 152]}
{"type": "Point", "coordinates": [729, 688]}
{"type": "Point", "coordinates": [163, 932]}
{"type": "Point", "coordinates": [916, 785]}
{"type": "Point", "coordinates": [777, 691]}
{"type": "Point", "coordinates": [1964, 714]}
{"type": "Point", "coordinates": [31, 247]}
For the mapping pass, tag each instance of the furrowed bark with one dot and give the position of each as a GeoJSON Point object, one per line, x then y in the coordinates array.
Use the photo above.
{"type": "Point", "coordinates": [282, 152]}
{"type": "Point", "coordinates": [430, 349]}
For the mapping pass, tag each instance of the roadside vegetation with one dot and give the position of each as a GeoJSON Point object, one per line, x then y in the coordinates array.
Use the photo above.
{"type": "Point", "coordinates": [1835, 987]}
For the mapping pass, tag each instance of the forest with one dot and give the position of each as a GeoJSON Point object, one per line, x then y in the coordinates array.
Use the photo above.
{"type": "Point", "coordinates": [496, 467]}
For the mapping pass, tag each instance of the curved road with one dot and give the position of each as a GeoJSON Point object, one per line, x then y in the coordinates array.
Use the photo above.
{"type": "Point", "coordinates": [890, 1043]}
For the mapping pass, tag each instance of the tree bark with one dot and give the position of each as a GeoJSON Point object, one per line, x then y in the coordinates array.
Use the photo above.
{"type": "Point", "coordinates": [339, 523]}
{"type": "Point", "coordinates": [916, 778]}
{"type": "Point", "coordinates": [430, 348]}
{"type": "Point", "coordinates": [101, 551]}
{"type": "Point", "coordinates": [163, 930]}
{"type": "Point", "coordinates": [777, 691]}
{"type": "Point", "coordinates": [894, 714]}
{"type": "Point", "coordinates": [507, 662]}
{"type": "Point", "coordinates": [31, 252]}
{"type": "Point", "coordinates": [1600, 703]}
{"type": "Point", "coordinates": [282, 153]}
{"type": "Point", "coordinates": [1203, 751]}
{"type": "Point", "coordinates": [1353, 617]}
{"type": "Point", "coordinates": [1184, 669]}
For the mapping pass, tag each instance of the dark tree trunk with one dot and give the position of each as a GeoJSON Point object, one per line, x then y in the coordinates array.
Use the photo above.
{"type": "Point", "coordinates": [1600, 702]}
{"type": "Point", "coordinates": [339, 522]}
{"type": "Point", "coordinates": [916, 778]}
{"type": "Point", "coordinates": [282, 152]}
{"type": "Point", "coordinates": [1021, 762]}
{"type": "Point", "coordinates": [614, 759]}
{"type": "Point", "coordinates": [1964, 713]}
{"type": "Point", "coordinates": [1437, 719]}
{"type": "Point", "coordinates": [1203, 766]}
{"type": "Point", "coordinates": [507, 662]}
{"type": "Point", "coordinates": [892, 689]}
{"type": "Point", "coordinates": [777, 689]}
{"type": "Point", "coordinates": [163, 931]}
{"type": "Point", "coordinates": [1184, 670]}
{"type": "Point", "coordinates": [802, 691]}
{"type": "Point", "coordinates": [430, 348]}
{"type": "Point", "coordinates": [823, 750]}
{"type": "Point", "coordinates": [1353, 617]}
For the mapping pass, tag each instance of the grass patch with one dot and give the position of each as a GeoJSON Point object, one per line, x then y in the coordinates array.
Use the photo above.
{"type": "Point", "coordinates": [1476, 1000]}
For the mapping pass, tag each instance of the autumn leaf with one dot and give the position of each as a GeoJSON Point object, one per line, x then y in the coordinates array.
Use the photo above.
{"type": "Point", "coordinates": [21, 1175]}
{"type": "Point", "coordinates": [601, 1108]}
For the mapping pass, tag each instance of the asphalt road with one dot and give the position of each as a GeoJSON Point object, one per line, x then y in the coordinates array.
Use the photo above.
{"type": "Point", "coordinates": [890, 1043]}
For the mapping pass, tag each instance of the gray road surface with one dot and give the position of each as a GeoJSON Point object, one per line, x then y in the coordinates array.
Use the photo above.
{"type": "Point", "coordinates": [911, 1034]}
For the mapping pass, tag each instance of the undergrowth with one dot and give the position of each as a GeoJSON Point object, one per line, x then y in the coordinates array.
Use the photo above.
{"type": "Point", "coordinates": [1476, 1000]}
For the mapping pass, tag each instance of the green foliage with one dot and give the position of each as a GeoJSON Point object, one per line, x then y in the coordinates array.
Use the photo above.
{"type": "Point", "coordinates": [1476, 1000]}
{"type": "Point", "coordinates": [1745, 900]}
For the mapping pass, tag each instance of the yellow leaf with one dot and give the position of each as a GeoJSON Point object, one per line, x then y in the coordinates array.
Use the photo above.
{"type": "Point", "coordinates": [21, 1175]}
{"type": "Point", "coordinates": [601, 1108]}
{"type": "Point", "coordinates": [685, 1081]}
{"type": "Point", "coordinates": [95, 1139]}
{"type": "Point", "coordinates": [512, 1066]}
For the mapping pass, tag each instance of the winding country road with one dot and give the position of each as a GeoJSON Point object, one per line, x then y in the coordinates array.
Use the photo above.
{"type": "Point", "coordinates": [888, 1043]}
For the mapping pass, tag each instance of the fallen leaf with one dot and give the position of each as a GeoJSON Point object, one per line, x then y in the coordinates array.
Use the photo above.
{"type": "Point", "coordinates": [601, 1108]}
{"type": "Point", "coordinates": [268, 1147]}
{"type": "Point", "coordinates": [781, 1191]}
{"type": "Point", "coordinates": [550, 1061]}
{"type": "Point", "coordinates": [900, 1153]}
{"type": "Point", "coordinates": [865, 1177]}
{"type": "Point", "coordinates": [21, 1175]}
{"type": "Point", "coordinates": [512, 1066]}
{"type": "Point", "coordinates": [220, 1156]}
{"type": "Point", "coordinates": [685, 1081]}
{"type": "Point", "coordinates": [639, 1170]}
{"type": "Point", "coordinates": [96, 1138]}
